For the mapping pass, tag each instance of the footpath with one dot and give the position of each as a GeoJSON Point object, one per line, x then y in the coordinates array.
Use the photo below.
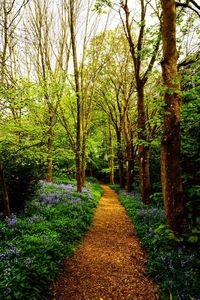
{"type": "Point", "coordinates": [110, 263]}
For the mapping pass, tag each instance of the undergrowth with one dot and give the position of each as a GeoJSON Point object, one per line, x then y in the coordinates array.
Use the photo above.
{"type": "Point", "coordinates": [33, 244]}
{"type": "Point", "coordinates": [173, 262]}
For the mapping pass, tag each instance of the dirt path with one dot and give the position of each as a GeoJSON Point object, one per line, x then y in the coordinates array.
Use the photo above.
{"type": "Point", "coordinates": [109, 264]}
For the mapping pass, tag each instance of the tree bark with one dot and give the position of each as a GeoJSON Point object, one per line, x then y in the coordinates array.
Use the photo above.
{"type": "Point", "coordinates": [129, 168]}
{"type": "Point", "coordinates": [143, 149]}
{"type": "Point", "coordinates": [120, 158]}
{"type": "Point", "coordinates": [128, 135]}
{"type": "Point", "coordinates": [136, 50]}
{"type": "Point", "coordinates": [78, 97]}
{"type": "Point", "coordinates": [49, 158]}
{"type": "Point", "coordinates": [83, 158]}
{"type": "Point", "coordinates": [170, 145]}
{"type": "Point", "coordinates": [111, 160]}
{"type": "Point", "coordinates": [6, 202]}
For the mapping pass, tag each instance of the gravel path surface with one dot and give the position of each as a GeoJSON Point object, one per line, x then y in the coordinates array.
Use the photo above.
{"type": "Point", "coordinates": [109, 264]}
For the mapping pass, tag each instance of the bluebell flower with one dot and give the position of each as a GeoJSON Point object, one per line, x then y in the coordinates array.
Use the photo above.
{"type": "Point", "coordinates": [74, 200]}
{"type": "Point", "coordinates": [7, 271]}
{"type": "Point", "coordinates": [11, 221]}
{"type": "Point", "coordinates": [183, 263]}
{"type": "Point", "coordinates": [2, 255]}
{"type": "Point", "coordinates": [35, 219]}
{"type": "Point", "coordinates": [27, 262]}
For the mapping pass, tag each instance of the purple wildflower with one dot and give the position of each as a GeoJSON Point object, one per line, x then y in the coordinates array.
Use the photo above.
{"type": "Point", "coordinates": [11, 221]}
{"type": "Point", "coordinates": [35, 219]}
{"type": "Point", "coordinates": [84, 190]}
{"type": "Point", "coordinates": [27, 262]}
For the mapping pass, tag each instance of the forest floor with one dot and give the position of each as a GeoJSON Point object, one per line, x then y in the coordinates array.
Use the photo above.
{"type": "Point", "coordinates": [110, 263]}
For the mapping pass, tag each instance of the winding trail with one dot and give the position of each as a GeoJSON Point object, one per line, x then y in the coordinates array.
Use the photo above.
{"type": "Point", "coordinates": [109, 264]}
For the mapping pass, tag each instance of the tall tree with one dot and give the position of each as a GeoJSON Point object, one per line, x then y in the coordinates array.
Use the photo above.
{"type": "Point", "coordinates": [170, 145]}
{"type": "Point", "coordinates": [48, 65]}
{"type": "Point", "coordinates": [137, 49]}
{"type": "Point", "coordinates": [9, 19]}
{"type": "Point", "coordinates": [72, 20]}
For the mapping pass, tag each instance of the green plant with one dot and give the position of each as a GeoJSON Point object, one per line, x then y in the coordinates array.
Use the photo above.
{"type": "Point", "coordinates": [173, 261]}
{"type": "Point", "coordinates": [33, 244]}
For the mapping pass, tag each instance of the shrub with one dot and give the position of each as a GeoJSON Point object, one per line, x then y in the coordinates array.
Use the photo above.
{"type": "Point", "coordinates": [22, 170]}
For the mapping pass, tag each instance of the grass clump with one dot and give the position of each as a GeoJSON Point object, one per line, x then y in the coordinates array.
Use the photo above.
{"type": "Point", "coordinates": [173, 261]}
{"type": "Point", "coordinates": [33, 244]}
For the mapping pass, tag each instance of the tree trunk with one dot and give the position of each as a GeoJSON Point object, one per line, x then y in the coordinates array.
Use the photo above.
{"type": "Point", "coordinates": [5, 196]}
{"type": "Point", "coordinates": [143, 150]}
{"type": "Point", "coordinates": [49, 159]}
{"type": "Point", "coordinates": [83, 158]}
{"type": "Point", "coordinates": [78, 97]}
{"type": "Point", "coordinates": [120, 158]}
{"type": "Point", "coordinates": [128, 135]}
{"type": "Point", "coordinates": [111, 160]}
{"type": "Point", "coordinates": [170, 145]}
{"type": "Point", "coordinates": [49, 141]}
{"type": "Point", "coordinates": [129, 168]}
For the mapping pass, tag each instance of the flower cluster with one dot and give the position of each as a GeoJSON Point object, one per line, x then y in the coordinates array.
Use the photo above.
{"type": "Point", "coordinates": [65, 192]}
{"type": "Point", "coordinates": [27, 262]}
{"type": "Point", "coordinates": [67, 187]}
{"type": "Point", "coordinates": [132, 193]}
{"type": "Point", "coordinates": [11, 253]}
{"type": "Point", "coordinates": [35, 219]}
{"type": "Point", "coordinates": [154, 213]}
{"type": "Point", "coordinates": [11, 221]}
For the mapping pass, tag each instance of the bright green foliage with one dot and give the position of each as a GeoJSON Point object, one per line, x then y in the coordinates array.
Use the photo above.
{"type": "Point", "coordinates": [34, 244]}
{"type": "Point", "coordinates": [100, 4]}
{"type": "Point", "coordinates": [173, 262]}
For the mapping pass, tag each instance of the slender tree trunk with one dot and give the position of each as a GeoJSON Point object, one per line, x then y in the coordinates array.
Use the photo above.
{"type": "Point", "coordinates": [111, 160]}
{"type": "Point", "coordinates": [170, 145]}
{"type": "Point", "coordinates": [49, 158]}
{"type": "Point", "coordinates": [129, 166]}
{"type": "Point", "coordinates": [78, 97]}
{"type": "Point", "coordinates": [128, 135]}
{"type": "Point", "coordinates": [5, 41]}
{"type": "Point", "coordinates": [49, 141]}
{"type": "Point", "coordinates": [143, 150]}
{"type": "Point", "coordinates": [129, 169]}
{"type": "Point", "coordinates": [83, 159]}
{"type": "Point", "coordinates": [120, 158]}
{"type": "Point", "coordinates": [6, 202]}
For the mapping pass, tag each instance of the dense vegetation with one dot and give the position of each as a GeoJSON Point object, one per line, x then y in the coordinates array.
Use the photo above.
{"type": "Point", "coordinates": [33, 244]}
{"type": "Point", "coordinates": [79, 98]}
{"type": "Point", "coordinates": [173, 262]}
